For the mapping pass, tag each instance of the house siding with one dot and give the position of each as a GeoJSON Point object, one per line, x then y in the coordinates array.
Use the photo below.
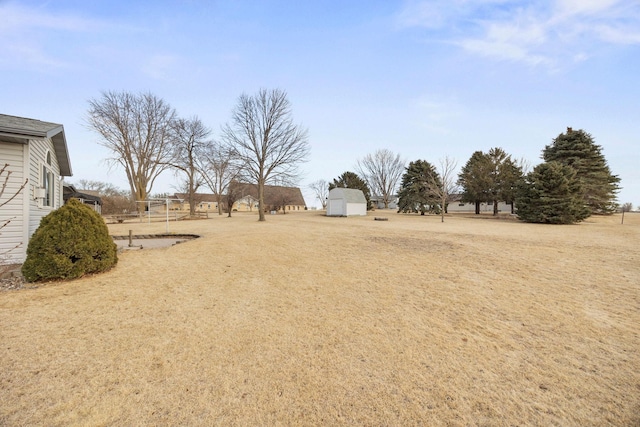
{"type": "Point", "coordinates": [38, 154]}
{"type": "Point", "coordinates": [13, 241]}
{"type": "Point", "coordinates": [471, 207]}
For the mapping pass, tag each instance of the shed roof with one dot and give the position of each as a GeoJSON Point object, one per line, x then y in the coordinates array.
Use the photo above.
{"type": "Point", "coordinates": [351, 195]}
{"type": "Point", "coordinates": [21, 130]}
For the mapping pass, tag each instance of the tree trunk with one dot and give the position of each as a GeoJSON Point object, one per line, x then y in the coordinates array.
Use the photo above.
{"type": "Point", "coordinates": [477, 208]}
{"type": "Point", "coordinates": [261, 200]}
{"type": "Point", "coordinates": [219, 202]}
{"type": "Point", "coordinates": [495, 207]}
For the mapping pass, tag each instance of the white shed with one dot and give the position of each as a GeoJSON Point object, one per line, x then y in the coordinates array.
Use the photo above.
{"type": "Point", "coordinates": [346, 202]}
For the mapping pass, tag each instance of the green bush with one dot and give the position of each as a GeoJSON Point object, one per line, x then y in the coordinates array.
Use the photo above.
{"type": "Point", "coordinates": [70, 242]}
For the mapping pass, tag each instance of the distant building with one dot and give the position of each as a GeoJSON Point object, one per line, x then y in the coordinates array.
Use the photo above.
{"type": "Point", "coordinates": [378, 202]}
{"type": "Point", "coordinates": [456, 205]}
{"type": "Point", "coordinates": [87, 197]}
{"type": "Point", "coordinates": [276, 198]}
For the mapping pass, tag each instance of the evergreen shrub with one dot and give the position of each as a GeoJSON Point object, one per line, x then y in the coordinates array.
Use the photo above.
{"type": "Point", "coordinates": [70, 242]}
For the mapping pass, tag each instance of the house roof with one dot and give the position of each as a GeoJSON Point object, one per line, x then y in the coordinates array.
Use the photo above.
{"type": "Point", "coordinates": [21, 130]}
{"type": "Point", "coordinates": [274, 195]}
{"type": "Point", "coordinates": [69, 191]}
{"type": "Point", "coordinates": [199, 197]}
{"type": "Point", "coordinates": [351, 195]}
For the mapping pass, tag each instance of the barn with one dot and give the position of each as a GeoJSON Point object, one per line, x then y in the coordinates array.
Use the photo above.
{"type": "Point", "coordinates": [346, 202]}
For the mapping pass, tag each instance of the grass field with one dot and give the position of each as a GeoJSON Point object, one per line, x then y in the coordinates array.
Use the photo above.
{"type": "Point", "coordinates": [309, 320]}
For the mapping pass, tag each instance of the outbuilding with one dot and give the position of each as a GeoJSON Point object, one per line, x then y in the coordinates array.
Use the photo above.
{"type": "Point", "coordinates": [346, 202]}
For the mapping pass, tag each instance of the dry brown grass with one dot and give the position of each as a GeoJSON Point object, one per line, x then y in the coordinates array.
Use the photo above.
{"type": "Point", "coordinates": [309, 320]}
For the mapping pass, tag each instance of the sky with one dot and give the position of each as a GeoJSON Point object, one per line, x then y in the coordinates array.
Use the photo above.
{"type": "Point", "coordinates": [424, 79]}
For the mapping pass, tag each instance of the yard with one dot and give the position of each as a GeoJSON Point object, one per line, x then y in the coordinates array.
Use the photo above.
{"type": "Point", "coordinates": [309, 320]}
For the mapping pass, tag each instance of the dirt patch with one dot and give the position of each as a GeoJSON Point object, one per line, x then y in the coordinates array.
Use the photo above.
{"type": "Point", "coordinates": [151, 241]}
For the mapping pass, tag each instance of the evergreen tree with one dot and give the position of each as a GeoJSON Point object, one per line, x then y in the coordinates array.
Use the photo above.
{"type": "Point", "coordinates": [551, 194]}
{"type": "Point", "coordinates": [490, 177]}
{"type": "Point", "coordinates": [513, 178]}
{"type": "Point", "coordinates": [417, 190]}
{"type": "Point", "coordinates": [352, 180]}
{"type": "Point", "coordinates": [503, 177]}
{"type": "Point", "coordinates": [578, 150]}
{"type": "Point", "coordinates": [474, 178]}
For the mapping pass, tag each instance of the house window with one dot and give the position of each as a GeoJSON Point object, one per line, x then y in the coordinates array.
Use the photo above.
{"type": "Point", "coordinates": [47, 183]}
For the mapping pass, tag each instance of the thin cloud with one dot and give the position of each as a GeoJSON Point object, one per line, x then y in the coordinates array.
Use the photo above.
{"type": "Point", "coordinates": [525, 31]}
{"type": "Point", "coordinates": [16, 17]}
{"type": "Point", "coordinates": [26, 34]}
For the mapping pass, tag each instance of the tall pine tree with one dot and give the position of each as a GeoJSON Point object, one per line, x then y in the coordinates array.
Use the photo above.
{"type": "Point", "coordinates": [578, 150]}
{"type": "Point", "coordinates": [417, 190]}
{"type": "Point", "coordinates": [474, 178]}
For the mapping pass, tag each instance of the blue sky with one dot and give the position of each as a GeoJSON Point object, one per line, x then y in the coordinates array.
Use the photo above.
{"type": "Point", "coordinates": [425, 79]}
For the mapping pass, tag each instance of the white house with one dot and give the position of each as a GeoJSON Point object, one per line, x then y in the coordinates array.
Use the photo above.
{"type": "Point", "coordinates": [456, 205]}
{"type": "Point", "coordinates": [378, 202]}
{"type": "Point", "coordinates": [34, 159]}
{"type": "Point", "coordinates": [346, 202]}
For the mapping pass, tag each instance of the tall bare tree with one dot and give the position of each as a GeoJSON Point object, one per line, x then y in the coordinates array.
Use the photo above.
{"type": "Point", "coordinates": [446, 186]}
{"type": "Point", "coordinates": [321, 188]}
{"type": "Point", "coordinates": [218, 169]}
{"type": "Point", "coordinates": [263, 137]}
{"type": "Point", "coordinates": [138, 131]}
{"type": "Point", "coordinates": [382, 171]}
{"type": "Point", "coordinates": [190, 145]}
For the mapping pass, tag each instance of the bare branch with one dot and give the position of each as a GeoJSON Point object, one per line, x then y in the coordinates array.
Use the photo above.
{"type": "Point", "coordinates": [190, 143]}
{"type": "Point", "coordinates": [218, 169]}
{"type": "Point", "coordinates": [321, 188]}
{"type": "Point", "coordinates": [137, 129]}
{"type": "Point", "coordinates": [263, 137]}
{"type": "Point", "coordinates": [7, 173]}
{"type": "Point", "coordinates": [382, 171]}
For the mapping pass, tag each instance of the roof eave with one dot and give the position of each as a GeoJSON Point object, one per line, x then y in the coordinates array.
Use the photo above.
{"type": "Point", "coordinates": [60, 148]}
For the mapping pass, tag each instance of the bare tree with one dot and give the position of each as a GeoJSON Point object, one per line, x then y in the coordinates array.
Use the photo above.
{"type": "Point", "coordinates": [321, 188]}
{"type": "Point", "coordinates": [626, 207]}
{"type": "Point", "coordinates": [190, 144]}
{"type": "Point", "coordinates": [5, 257]}
{"type": "Point", "coordinates": [234, 193]}
{"type": "Point", "coordinates": [218, 170]}
{"type": "Point", "coordinates": [382, 171]}
{"type": "Point", "coordinates": [263, 137]}
{"type": "Point", "coordinates": [137, 129]}
{"type": "Point", "coordinates": [447, 186]}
